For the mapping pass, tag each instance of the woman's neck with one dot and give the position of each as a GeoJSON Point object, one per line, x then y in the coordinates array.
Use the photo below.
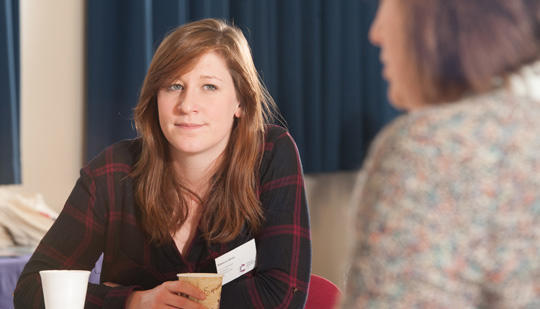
{"type": "Point", "coordinates": [195, 172]}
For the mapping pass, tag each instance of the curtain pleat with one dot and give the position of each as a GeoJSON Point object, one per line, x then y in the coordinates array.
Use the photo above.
{"type": "Point", "coordinates": [10, 161]}
{"type": "Point", "coordinates": [313, 55]}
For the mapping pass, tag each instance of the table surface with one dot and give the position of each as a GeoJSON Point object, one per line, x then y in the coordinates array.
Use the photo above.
{"type": "Point", "coordinates": [11, 267]}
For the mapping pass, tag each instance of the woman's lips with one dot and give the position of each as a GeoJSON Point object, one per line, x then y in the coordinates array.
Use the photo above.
{"type": "Point", "coordinates": [191, 126]}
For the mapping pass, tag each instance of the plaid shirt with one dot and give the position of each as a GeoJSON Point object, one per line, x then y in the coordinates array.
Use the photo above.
{"type": "Point", "coordinates": [100, 215]}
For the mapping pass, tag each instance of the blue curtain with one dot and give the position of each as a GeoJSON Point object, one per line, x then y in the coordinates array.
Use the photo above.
{"type": "Point", "coordinates": [10, 164]}
{"type": "Point", "coordinates": [313, 55]}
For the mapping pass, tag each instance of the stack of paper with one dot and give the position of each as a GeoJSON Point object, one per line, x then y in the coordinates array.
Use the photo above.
{"type": "Point", "coordinates": [23, 220]}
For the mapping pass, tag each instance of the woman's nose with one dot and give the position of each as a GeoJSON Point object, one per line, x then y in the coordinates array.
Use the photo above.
{"type": "Point", "coordinates": [375, 31]}
{"type": "Point", "coordinates": [187, 102]}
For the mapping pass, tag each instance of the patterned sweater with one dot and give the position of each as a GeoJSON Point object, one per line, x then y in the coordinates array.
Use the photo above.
{"type": "Point", "coordinates": [101, 216]}
{"type": "Point", "coordinates": [449, 211]}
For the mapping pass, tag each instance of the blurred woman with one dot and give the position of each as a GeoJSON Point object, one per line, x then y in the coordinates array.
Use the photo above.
{"type": "Point", "coordinates": [449, 212]}
{"type": "Point", "coordinates": [206, 175]}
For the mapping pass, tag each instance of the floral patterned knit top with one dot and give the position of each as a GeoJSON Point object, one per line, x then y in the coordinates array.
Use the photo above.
{"type": "Point", "coordinates": [449, 212]}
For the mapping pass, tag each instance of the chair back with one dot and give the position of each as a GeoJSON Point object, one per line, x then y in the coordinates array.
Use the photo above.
{"type": "Point", "coordinates": [322, 294]}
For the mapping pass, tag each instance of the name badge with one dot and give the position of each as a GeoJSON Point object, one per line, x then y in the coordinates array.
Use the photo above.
{"type": "Point", "coordinates": [237, 262]}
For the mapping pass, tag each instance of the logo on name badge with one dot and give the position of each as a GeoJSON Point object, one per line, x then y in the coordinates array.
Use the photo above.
{"type": "Point", "coordinates": [246, 266]}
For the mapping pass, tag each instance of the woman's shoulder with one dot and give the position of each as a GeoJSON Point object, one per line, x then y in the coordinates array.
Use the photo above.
{"type": "Point", "coordinates": [277, 139]}
{"type": "Point", "coordinates": [494, 112]}
{"type": "Point", "coordinates": [419, 135]}
{"type": "Point", "coordinates": [429, 122]}
{"type": "Point", "coordinates": [274, 132]}
{"type": "Point", "coordinates": [280, 150]}
{"type": "Point", "coordinates": [122, 154]}
{"type": "Point", "coordinates": [459, 130]}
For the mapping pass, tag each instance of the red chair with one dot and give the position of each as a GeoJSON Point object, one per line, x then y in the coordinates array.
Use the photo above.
{"type": "Point", "coordinates": [322, 294]}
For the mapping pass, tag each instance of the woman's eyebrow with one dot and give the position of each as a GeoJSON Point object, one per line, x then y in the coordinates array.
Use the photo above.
{"type": "Point", "coordinates": [210, 77]}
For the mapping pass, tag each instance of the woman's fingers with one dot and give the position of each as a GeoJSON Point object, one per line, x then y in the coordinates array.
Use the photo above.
{"type": "Point", "coordinates": [182, 287]}
{"type": "Point", "coordinates": [175, 294]}
{"type": "Point", "coordinates": [177, 301]}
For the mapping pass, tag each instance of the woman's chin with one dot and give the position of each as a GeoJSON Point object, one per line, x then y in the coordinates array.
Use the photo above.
{"type": "Point", "coordinates": [396, 101]}
{"type": "Point", "coordinates": [402, 102]}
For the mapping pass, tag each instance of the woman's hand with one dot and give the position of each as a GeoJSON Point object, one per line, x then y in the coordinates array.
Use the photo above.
{"type": "Point", "coordinates": [166, 295]}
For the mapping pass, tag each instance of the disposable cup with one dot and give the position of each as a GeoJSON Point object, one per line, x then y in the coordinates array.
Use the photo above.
{"type": "Point", "coordinates": [209, 283]}
{"type": "Point", "coordinates": [64, 288]}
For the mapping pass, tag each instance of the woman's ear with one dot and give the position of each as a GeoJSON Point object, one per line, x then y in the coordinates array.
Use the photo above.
{"type": "Point", "coordinates": [239, 111]}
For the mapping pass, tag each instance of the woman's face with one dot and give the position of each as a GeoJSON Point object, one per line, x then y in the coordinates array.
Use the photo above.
{"type": "Point", "coordinates": [197, 111]}
{"type": "Point", "coordinates": [389, 33]}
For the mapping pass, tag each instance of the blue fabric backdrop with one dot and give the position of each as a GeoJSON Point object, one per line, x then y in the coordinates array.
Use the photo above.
{"type": "Point", "coordinates": [313, 55]}
{"type": "Point", "coordinates": [10, 164]}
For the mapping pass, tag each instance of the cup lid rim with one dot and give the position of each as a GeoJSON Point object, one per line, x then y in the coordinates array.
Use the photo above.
{"type": "Point", "coordinates": [64, 270]}
{"type": "Point", "coordinates": [203, 275]}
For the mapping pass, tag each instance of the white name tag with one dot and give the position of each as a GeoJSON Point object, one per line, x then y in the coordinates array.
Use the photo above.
{"type": "Point", "coordinates": [237, 262]}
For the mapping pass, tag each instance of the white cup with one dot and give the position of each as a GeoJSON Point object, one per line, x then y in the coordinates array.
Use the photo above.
{"type": "Point", "coordinates": [64, 288]}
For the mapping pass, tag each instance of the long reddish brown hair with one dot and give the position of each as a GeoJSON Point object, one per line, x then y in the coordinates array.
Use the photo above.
{"type": "Point", "coordinates": [462, 47]}
{"type": "Point", "coordinates": [232, 201]}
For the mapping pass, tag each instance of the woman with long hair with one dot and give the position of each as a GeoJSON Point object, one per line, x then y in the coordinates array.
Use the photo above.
{"type": "Point", "coordinates": [206, 175]}
{"type": "Point", "coordinates": [449, 211]}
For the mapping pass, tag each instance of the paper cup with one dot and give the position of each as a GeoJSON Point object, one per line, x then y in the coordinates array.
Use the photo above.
{"type": "Point", "coordinates": [64, 288]}
{"type": "Point", "coordinates": [209, 283]}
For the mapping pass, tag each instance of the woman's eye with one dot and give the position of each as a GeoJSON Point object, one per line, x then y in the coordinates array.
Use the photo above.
{"type": "Point", "coordinates": [209, 87]}
{"type": "Point", "coordinates": [175, 87]}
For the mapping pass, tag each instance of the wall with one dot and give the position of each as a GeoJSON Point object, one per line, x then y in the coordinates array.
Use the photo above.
{"type": "Point", "coordinates": [332, 207]}
{"type": "Point", "coordinates": [52, 97]}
